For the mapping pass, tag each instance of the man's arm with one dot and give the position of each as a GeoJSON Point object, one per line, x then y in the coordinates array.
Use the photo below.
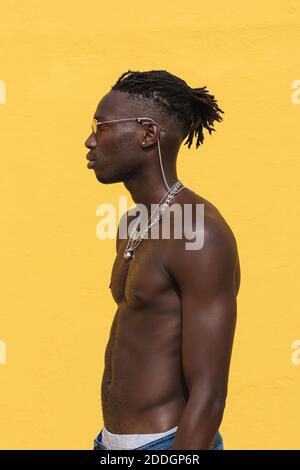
{"type": "Point", "coordinates": [206, 280]}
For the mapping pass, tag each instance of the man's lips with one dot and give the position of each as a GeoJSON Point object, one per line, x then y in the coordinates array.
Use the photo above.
{"type": "Point", "coordinates": [91, 164]}
{"type": "Point", "coordinates": [92, 161]}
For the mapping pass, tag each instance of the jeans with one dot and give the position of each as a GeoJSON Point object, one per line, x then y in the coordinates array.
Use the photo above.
{"type": "Point", "coordinates": [164, 443]}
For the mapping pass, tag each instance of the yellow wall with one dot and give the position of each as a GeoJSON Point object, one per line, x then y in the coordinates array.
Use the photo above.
{"type": "Point", "coordinates": [57, 60]}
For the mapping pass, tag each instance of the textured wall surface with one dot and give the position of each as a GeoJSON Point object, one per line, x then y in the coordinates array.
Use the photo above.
{"type": "Point", "coordinates": [56, 62]}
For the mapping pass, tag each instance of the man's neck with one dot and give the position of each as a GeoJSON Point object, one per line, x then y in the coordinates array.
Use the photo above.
{"type": "Point", "coordinates": [149, 190]}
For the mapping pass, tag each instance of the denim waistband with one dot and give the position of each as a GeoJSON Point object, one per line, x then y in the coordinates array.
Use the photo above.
{"type": "Point", "coordinates": [163, 443]}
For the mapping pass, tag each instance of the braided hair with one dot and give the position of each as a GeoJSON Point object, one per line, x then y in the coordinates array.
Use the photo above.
{"type": "Point", "coordinates": [194, 109]}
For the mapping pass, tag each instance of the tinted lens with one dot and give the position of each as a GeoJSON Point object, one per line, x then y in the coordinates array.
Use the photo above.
{"type": "Point", "coordinates": [94, 126]}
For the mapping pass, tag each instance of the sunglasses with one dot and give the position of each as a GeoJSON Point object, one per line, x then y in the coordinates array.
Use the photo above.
{"type": "Point", "coordinates": [140, 120]}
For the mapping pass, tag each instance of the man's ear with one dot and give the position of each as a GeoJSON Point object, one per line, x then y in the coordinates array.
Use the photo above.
{"type": "Point", "coordinates": [152, 133]}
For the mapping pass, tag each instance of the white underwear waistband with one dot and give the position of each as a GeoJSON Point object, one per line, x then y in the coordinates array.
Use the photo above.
{"type": "Point", "coordinates": [130, 441]}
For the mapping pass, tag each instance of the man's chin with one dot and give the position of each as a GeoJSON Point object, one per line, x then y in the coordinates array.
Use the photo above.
{"type": "Point", "coordinates": [107, 179]}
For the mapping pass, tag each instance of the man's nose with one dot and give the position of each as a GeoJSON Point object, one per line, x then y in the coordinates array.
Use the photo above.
{"type": "Point", "coordinates": [91, 141]}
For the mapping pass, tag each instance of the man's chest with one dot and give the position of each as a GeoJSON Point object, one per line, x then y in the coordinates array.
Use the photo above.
{"type": "Point", "coordinates": [141, 279]}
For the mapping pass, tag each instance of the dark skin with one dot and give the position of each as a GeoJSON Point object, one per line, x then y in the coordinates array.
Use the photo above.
{"type": "Point", "coordinates": [168, 355]}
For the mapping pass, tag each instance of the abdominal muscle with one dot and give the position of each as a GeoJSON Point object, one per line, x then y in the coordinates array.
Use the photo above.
{"type": "Point", "coordinates": [143, 388]}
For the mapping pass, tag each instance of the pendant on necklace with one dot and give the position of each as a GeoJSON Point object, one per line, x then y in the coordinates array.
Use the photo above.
{"type": "Point", "coordinates": [128, 254]}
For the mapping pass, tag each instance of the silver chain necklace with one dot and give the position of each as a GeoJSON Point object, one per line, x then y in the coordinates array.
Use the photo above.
{"type": "Point", "coordinates": [134, 239]}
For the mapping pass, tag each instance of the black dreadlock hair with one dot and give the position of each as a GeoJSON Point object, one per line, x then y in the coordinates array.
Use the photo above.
{"type": "Point", "coordinates": [193, 108]}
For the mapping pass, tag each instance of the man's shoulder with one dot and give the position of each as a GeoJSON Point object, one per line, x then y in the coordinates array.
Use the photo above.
{"type": "Point", "coordinates": [207, 248]}
{"type": "Point", "coordinates": [214, 225]}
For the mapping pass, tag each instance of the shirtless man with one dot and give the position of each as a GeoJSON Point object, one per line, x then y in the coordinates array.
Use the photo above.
{"type": "Point", "coordinates": [168, 356]}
